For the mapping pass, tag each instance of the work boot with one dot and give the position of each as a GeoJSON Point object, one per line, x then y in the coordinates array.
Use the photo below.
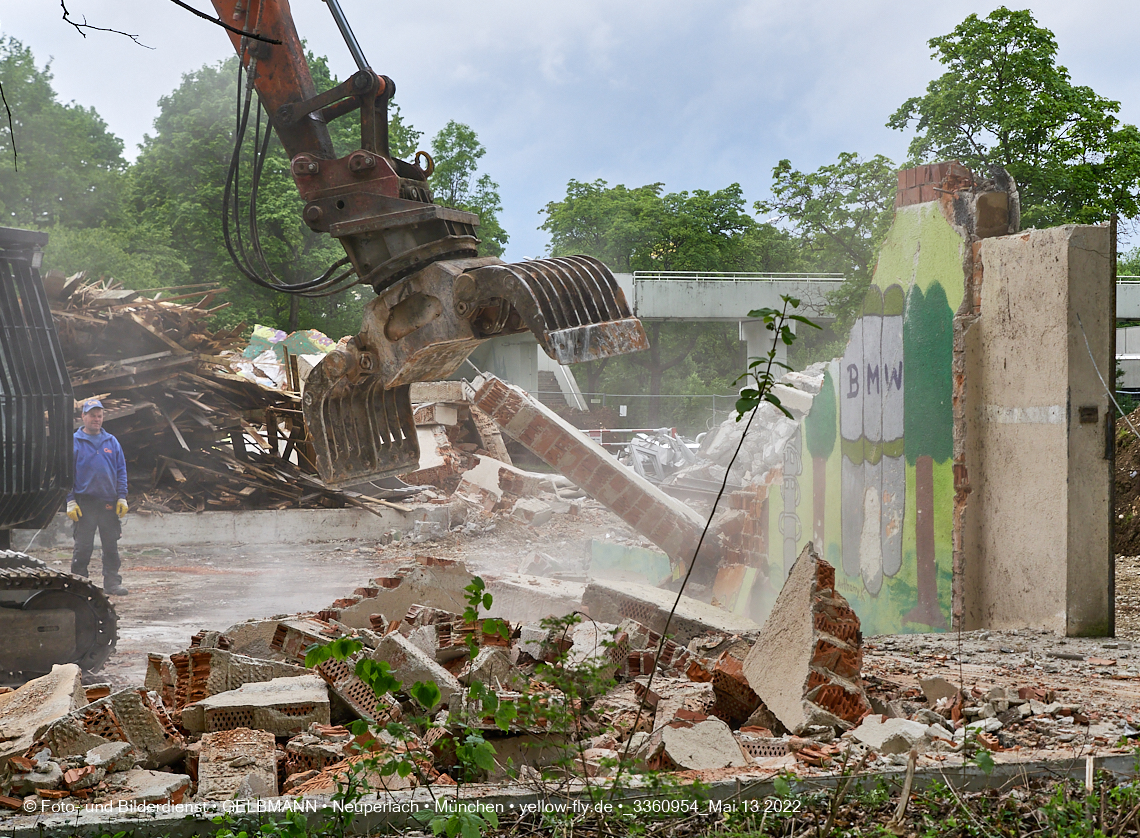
{"type": "Point", "coordinates": [115, 590]}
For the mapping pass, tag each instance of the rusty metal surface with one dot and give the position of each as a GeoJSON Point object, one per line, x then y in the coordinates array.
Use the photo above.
{"type": "Point", "coordinates": [360, 430]}
{"type": "Point", "coordinates": [573, 305]}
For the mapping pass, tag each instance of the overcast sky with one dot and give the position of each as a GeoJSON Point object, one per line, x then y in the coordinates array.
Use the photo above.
{"type": "Point", "coordinates": [696, 95]}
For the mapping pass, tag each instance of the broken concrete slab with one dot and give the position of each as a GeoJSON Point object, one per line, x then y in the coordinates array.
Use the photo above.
{"type": "Point", "coordinates": [613, 602]}
{"type": "Point", "coordinates": [238, 763]}
{"type": "Point", "coordinates": [805, 664]}
{"type": "Point", "coordinates": [936, 688]}
{"type": "Point", "coordinates": [891, 736]}
{"type": "Point", "coordinates": [140, 785]}
{"type": "Point", "coordinates": [522, 598]}
{"type": "Point", "coordinates": [698, 746]}
{"type": "Point", "coordinates": [438, 583]}
{"type": "Point", "coordinates": [532, 511]}
{"type": "Point", "coordinates": [282, 706]}
{"type": "Point", "coordinates": [492, 667]}
{"type": "Point", "coordinates": [39, 701]}
{"type": "Point", "coordinates": [410, 664]}
{"type": "Point", "coordinates": [316, 749]}
{"type": "Point", "coordinates": [134, 716]}
{"type": "Point", "coordinates": [112, 756]}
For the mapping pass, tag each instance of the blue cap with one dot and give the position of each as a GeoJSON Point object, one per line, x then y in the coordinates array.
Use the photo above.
{"type": "Point", "coordinates": [91, 404]}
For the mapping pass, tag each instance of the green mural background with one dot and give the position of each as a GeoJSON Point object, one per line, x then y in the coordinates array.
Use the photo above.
{"type": "Point", "coordinates": [923, 259]}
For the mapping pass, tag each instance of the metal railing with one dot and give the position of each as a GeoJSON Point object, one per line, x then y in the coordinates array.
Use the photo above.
{"type": "Point", "coordinates": [737, 276]}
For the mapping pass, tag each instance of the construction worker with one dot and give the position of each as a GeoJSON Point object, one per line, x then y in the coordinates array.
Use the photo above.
{"type": "Point", "coordinates": [99, 497]}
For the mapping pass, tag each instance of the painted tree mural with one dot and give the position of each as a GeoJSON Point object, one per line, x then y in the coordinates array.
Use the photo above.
{"type": "Point", "coordinates": [928, 342]}
{"type": "Point", "coordinates": [820, 433]}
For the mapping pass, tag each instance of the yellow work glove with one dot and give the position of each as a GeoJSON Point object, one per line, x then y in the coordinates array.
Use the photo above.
{"type": "Point", "coordinates": [73, 511]}
{"type": "Point", "coordinates": [121, 507]}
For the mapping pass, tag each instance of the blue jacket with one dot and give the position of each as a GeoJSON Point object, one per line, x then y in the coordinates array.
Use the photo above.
{"type": "Point", "coordinates": [100, 467]}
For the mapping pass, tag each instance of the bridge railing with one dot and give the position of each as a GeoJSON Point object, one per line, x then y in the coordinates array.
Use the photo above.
{"type": "Point", "coordinates": [736, 276]}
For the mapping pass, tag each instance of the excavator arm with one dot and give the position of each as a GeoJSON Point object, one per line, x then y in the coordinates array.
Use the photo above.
{"type": "Point", "coordinates": [437, 300]}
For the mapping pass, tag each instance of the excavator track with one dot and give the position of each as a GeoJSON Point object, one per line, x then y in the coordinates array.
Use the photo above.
{"type": "Point", "coordinates": [31, 594]}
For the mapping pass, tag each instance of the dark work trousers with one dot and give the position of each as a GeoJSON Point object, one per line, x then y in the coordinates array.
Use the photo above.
{"type": "Point", "coordinates": [97, 514]}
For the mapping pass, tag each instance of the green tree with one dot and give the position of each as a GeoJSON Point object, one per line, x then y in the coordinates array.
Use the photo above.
{"type": "Point", "coordinates": [70, 166]}
{"type": "Point", "coordinates": [179, 179]}
{"type": "Point", "coordinates": [839, 215]}
{"type": "Point", "coordinates": [645, 228]}
{"type": "Point", "coordinates": [455, 183]}
{"type": "Point", "coordinates": [1004, 101]}
{"type": "Point", "coordinates": [928, 427]}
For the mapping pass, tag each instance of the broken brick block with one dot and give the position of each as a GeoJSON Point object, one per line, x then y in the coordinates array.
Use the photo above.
{"type": "Point", "coordinates": [532, 511]}
{"type": "Point", "coordinates": [200, 673]}
{"type": "Point", "coordinates": [134, 716]}
{"type": "Point", "coordinates": [40, 701]}
{"type": "Point", "coordinates": [239, 763]}
{"type": "Point", "coordinates": [316, 749]}
{"type": "Point", "coordinates": [735, 699]}
{"type": "Point", "coordinates": [83, 778]}
{"type": "Point", "coordinates": [805, 664]}
{"type": "Point", "coordinates": [282, 706]}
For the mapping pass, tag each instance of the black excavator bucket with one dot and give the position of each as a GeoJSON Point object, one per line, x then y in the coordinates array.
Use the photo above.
{"type": "Point", "coordinates": [36, 404]}
{"type": "Point", "coordinates": [357, 401]}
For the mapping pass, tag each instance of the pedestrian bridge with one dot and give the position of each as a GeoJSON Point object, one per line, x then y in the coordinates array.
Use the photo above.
{"type": "Point", "coordinates": [671, 295]}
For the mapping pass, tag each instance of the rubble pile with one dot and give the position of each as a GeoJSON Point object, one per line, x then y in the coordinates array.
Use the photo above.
{"type": "Point", "coordinates": [197, 434]}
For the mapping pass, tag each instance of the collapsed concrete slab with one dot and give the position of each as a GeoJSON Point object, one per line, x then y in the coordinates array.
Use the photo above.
{"type": "Point", "coordinates": [283, 706]}
{"type": "Point", "coordinates": [239, 763]}
{"type": "Point", "coordinates": [663, 519]}
{"type": "Point", "coordinates": [39, 701]}
{"type": "Point", "coordinates": [522, 598]}
{"type": "Point", "coordinates": [613, 602]}
{"type": "Point", "coordinates": [134, 716]}
{"type": "Point", "coordinates": [805, 663]}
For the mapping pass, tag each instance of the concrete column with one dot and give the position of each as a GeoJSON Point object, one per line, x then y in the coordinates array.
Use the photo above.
{"type": "Point", "coordinates": [759, 341]}
{"type": "Point", "coordinates": [1037, 540]}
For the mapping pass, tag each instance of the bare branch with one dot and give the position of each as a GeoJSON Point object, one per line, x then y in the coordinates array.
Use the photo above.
{"type": "Point", "coordinates": [223, 24]}
{"type": "Point", "coordinates": [11, 129]}
{"type": "Point", "coordinates": [79, 27]}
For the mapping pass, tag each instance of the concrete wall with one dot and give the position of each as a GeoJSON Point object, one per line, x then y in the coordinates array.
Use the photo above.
{"type": "Point", "coordinates": [1038, 423]}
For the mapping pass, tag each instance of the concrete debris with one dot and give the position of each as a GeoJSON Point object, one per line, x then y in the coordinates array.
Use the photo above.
{"type": "Point", "coordinates": [664, 520]}
{"type": "Point", "coordinates": [41, 774]}
{"type": "Point", "coordinates": [137, 717]}
{"type": "Point", "coordinates": [493, 668]}
{"type": "Point", "coordinates": [198, 673]}
{"type": "Point", "coordinates": [532, 511]}
{"type": "Point", "coordinates": [892, 736]}
{"type": "Point", "coordinates": [805, 665]}
{"type": "Point", "coordinates": [143, 786]}
{"type": "Point", "coordinates": [410, 664]}
{"type": "Point", "coordinates": [283, 706]}
{"type": "Point", "coordinates": [25, 710]}
{"type": "Point", "coordinates": [238, 763]}
{"type": "Point", "coordinates": [316, 749]}
{"type": "Point", "coordinates": [111, 756]}
{"type": "Point", "coordinates": [83, 778]}
{"type": "Point", "coordinates": [436, 581]}
{"type": "Point", "coordinates": [937, 688]}
{"type": "Point", "coordinates": [613, 602]}
{"type": "Point", "coordinates": [693, 745]}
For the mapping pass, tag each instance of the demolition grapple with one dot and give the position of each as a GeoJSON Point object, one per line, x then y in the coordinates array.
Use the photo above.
{"type": "Point", "coordinates": [436, 299]}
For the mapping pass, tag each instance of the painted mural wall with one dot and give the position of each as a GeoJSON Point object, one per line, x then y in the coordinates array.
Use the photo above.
{"type": "Point", "coordinates": [869, 477]}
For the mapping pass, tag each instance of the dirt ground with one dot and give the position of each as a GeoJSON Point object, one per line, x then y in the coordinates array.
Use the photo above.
{"type": "Point", "coordinates": [176, 592]}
